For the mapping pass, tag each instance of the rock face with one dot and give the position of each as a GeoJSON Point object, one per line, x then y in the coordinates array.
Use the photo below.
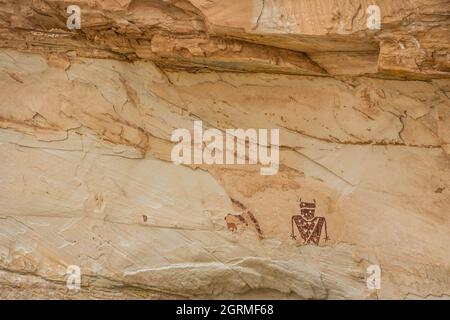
{"type": "Point", "coordinates": [87, 178]}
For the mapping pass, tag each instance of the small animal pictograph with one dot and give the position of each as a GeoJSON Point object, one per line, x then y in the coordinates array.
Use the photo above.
{"type": "Point", "coordinates": [245, 218]}
{"type": "Point", "coordinates": [309, 226]}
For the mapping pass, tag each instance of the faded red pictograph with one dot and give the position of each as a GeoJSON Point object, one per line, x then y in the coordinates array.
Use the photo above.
{"type": "Point", "coordinates": [246, 218]}
{"type": "Point", "coordinates": [309, 226]}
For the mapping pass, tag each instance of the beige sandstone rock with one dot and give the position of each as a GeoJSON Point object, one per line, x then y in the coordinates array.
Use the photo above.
{"type": "Point", "coordinates": [86, 118]}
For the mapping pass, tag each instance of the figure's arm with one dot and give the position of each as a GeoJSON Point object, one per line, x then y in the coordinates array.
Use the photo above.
{"type": "Point", "coordinates": [326, 231]}
{"type": "Point", "coordinates": [292, 234]}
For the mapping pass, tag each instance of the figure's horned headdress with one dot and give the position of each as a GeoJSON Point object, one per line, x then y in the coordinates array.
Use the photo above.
{"type": "Point", "coordinates": [307, 209]}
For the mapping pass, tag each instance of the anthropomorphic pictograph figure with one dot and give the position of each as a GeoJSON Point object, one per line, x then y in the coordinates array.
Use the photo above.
{"type": "Point", "coordinates": [309, 226]}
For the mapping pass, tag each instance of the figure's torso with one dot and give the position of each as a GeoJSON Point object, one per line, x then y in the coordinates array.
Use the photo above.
{"type": "Point", "coordinates": [310, 230]}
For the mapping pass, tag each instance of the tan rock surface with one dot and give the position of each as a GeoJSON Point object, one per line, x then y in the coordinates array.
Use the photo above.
{"type": "Point", "coordinates": [86, 118]}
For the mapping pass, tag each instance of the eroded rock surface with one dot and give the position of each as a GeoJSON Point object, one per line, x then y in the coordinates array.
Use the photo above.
{"type": "Point", "coordinates": [86, 118]}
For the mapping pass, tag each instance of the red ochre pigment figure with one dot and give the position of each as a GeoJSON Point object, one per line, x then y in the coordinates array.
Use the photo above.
{"type": "Point", "coordinates": [309, 226]}
{"type": "Point", "coordinates": [233, 220]}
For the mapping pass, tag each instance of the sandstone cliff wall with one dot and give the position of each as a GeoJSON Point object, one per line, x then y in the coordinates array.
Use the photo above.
{"type": "Point", "coordinates": [86, 118]}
